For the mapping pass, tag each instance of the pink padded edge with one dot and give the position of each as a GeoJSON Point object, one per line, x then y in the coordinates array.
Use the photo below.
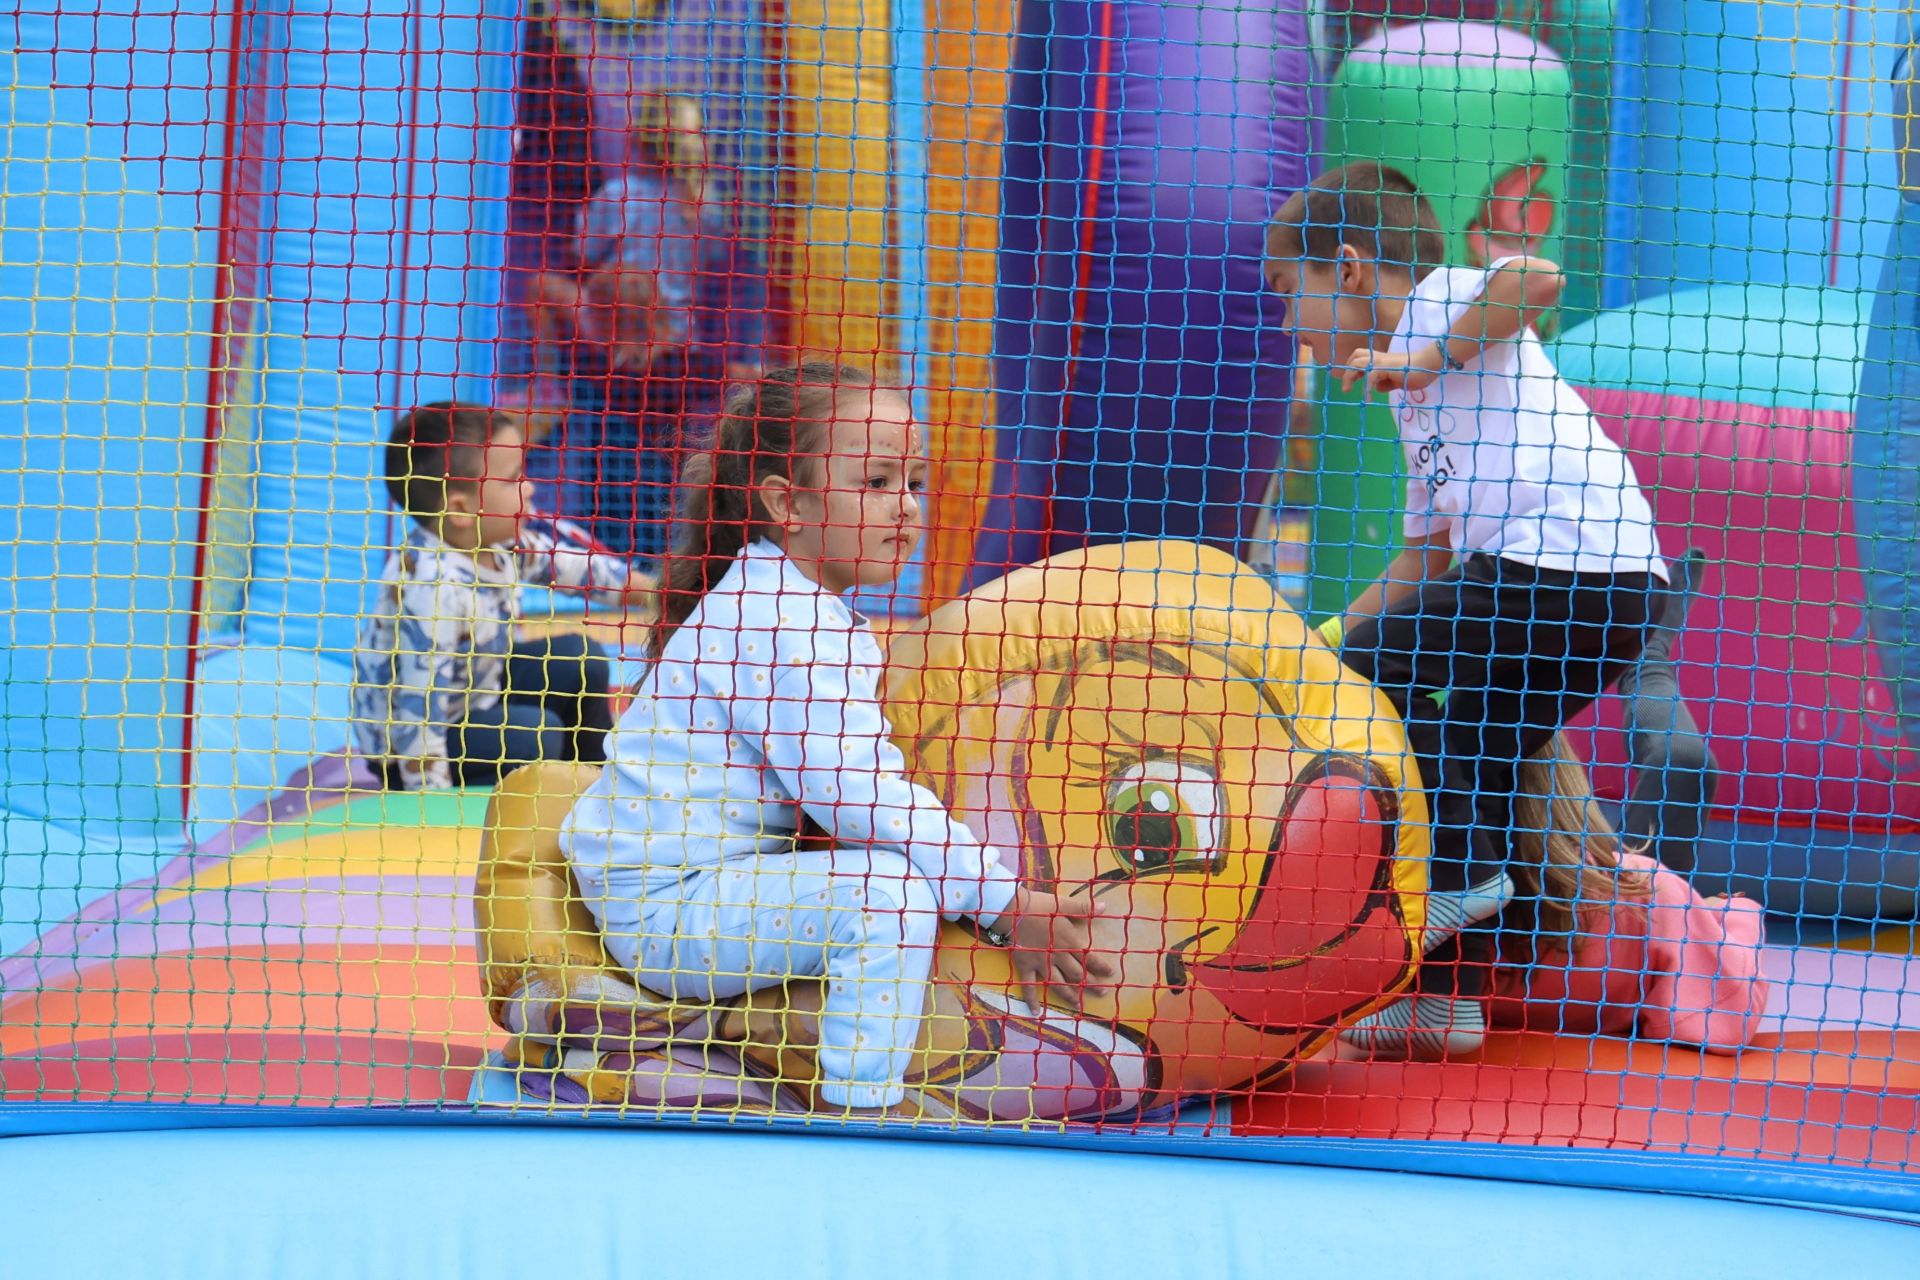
{"type": "Point", "coordinates": [1775, 662]}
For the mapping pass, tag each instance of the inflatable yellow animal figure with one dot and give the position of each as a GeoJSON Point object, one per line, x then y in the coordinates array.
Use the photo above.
{"type": "Point", "coordinates": [1147, 724]}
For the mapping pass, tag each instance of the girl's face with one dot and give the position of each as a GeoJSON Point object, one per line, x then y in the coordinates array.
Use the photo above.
{"type": "Point", "coordinates": [852, 516]}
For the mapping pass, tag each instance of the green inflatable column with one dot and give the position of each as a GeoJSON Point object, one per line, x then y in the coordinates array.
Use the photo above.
{"type": "Point", "coordinates": [1471, 112]}
{"type": "Point", "coordinates": [1581, 32]}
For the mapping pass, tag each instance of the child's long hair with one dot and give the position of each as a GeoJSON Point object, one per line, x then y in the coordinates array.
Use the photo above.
{"type": "Point", "coordinates": [765, 430]}
{"type": "Point", "coordinates": [1566, 856]}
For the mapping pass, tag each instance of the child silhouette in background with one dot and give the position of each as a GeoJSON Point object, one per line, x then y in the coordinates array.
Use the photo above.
{"type": "Point", "coordinates": [637, 386]}
{"type": "Point", "coordinates": [665, 212]}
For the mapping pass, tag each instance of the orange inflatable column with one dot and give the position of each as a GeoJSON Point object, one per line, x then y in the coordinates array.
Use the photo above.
{"type": "Point", "coordinates": [970, 43]}
{"type": "Point", "coordinates": [835, 161]}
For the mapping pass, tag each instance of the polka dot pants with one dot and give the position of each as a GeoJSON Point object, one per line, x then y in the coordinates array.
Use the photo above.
{"type": "Point", "coordinates": [865, 921]}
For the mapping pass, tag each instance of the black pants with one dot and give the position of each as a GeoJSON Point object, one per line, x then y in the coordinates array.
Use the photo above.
{"type": "Point", "coordinates": [555, 708]}
{"type": "Point", "coordinates": [1520, 651]}
{"type": "Point", "coordinates": [1674, 772]}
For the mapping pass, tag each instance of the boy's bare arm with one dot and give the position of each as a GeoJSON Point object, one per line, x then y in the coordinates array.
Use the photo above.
{"type": "Point", "coordinates": [1516, 296]}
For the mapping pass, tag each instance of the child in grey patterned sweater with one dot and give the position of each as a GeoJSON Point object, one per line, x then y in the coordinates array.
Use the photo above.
{"type": "Point", "coordinates": [444, 693]}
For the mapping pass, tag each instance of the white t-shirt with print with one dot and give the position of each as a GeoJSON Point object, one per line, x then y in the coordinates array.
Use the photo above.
{"type": "Point", "coordinates": [1506, 457]}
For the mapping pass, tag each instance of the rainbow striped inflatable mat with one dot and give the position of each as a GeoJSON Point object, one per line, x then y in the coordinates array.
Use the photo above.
{"type": "Point", "coordinates": [321, 953]}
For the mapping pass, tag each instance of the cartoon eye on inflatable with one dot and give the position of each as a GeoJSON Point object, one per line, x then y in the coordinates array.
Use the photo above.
{"type": "Point", "coordinates": [1149, 726]}
{"type": "Point", "coordinates": [1165, 816]}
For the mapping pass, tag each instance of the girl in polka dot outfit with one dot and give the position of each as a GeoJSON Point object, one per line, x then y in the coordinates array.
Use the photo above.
{"type": "Point", "coordinates": [763, 706]}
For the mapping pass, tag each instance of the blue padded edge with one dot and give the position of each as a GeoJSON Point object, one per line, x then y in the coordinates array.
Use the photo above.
{"type": "Point", "coordinates": [1753, 1181]}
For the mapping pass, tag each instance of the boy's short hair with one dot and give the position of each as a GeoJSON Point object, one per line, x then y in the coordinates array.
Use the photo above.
{"type": "Point", "coordinates": [435, 447]}
{"type": "Point", "coordinates": [1373, 207]}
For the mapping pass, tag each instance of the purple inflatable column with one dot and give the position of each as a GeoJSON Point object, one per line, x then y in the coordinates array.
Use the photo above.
{"type": "Point", "coordinates": [1141, 372]}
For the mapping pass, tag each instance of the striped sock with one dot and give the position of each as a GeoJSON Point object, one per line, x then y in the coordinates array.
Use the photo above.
{"type": "Point", "coordinates": [1421, 1027]}
{"type": "Point", "coordinates": [1449, 913]}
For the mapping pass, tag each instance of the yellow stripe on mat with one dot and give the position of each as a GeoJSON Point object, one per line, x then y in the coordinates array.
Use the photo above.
{"type": "Point", "coordinates": [1896, 940]}
{"type": "Point", "coordinates": [367, 851]}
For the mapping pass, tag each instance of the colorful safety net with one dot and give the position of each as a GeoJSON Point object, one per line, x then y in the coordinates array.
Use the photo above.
{"type": "Point", "coordinates": [1226, 569]}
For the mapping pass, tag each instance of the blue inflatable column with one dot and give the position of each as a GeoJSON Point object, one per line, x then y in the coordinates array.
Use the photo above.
{"type": "Point", "coordinates": [383, 283]}
{"type": "Point", "coordinates": [107, 279]}
{"type": "Point", "coordinates": [1732, 161]}
{"type": "Point", "coordinates": [1141, 374]}
{"type": "Point", "coordinates": [1886, 435]}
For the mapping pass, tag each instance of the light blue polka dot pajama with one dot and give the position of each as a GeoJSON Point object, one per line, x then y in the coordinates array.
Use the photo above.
{"type": "Point", "coordinates": [765, 704]}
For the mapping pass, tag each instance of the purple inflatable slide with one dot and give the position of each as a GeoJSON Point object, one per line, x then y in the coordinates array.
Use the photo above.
{"type": "Point", "coordinates": [1142, 370]}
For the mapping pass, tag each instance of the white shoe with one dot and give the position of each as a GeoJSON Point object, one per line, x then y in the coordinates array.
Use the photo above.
{"type": "Point", "coordinates": [1422, 1028]}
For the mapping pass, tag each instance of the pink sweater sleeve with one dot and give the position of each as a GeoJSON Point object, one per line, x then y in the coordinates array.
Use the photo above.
{"type": "Point", "coordinates": [1703, 985]}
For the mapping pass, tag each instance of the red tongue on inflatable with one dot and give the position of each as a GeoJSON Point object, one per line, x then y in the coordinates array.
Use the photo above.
{"type": "Point", "coordinates": [1322, 938]}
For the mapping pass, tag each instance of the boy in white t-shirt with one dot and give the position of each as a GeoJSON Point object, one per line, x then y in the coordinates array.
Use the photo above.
{"type": "Point", "coordinates": [1510, 475]}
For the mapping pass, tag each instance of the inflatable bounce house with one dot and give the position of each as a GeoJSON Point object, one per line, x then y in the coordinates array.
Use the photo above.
{"type": "Point", "coordinates": [275, 1001]}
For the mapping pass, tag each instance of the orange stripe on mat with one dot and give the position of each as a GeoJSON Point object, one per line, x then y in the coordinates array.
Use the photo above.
{"type": "Point", "coordinates": [245, 1069]}
{"type": "Point", "coordinates": [402, 991]}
